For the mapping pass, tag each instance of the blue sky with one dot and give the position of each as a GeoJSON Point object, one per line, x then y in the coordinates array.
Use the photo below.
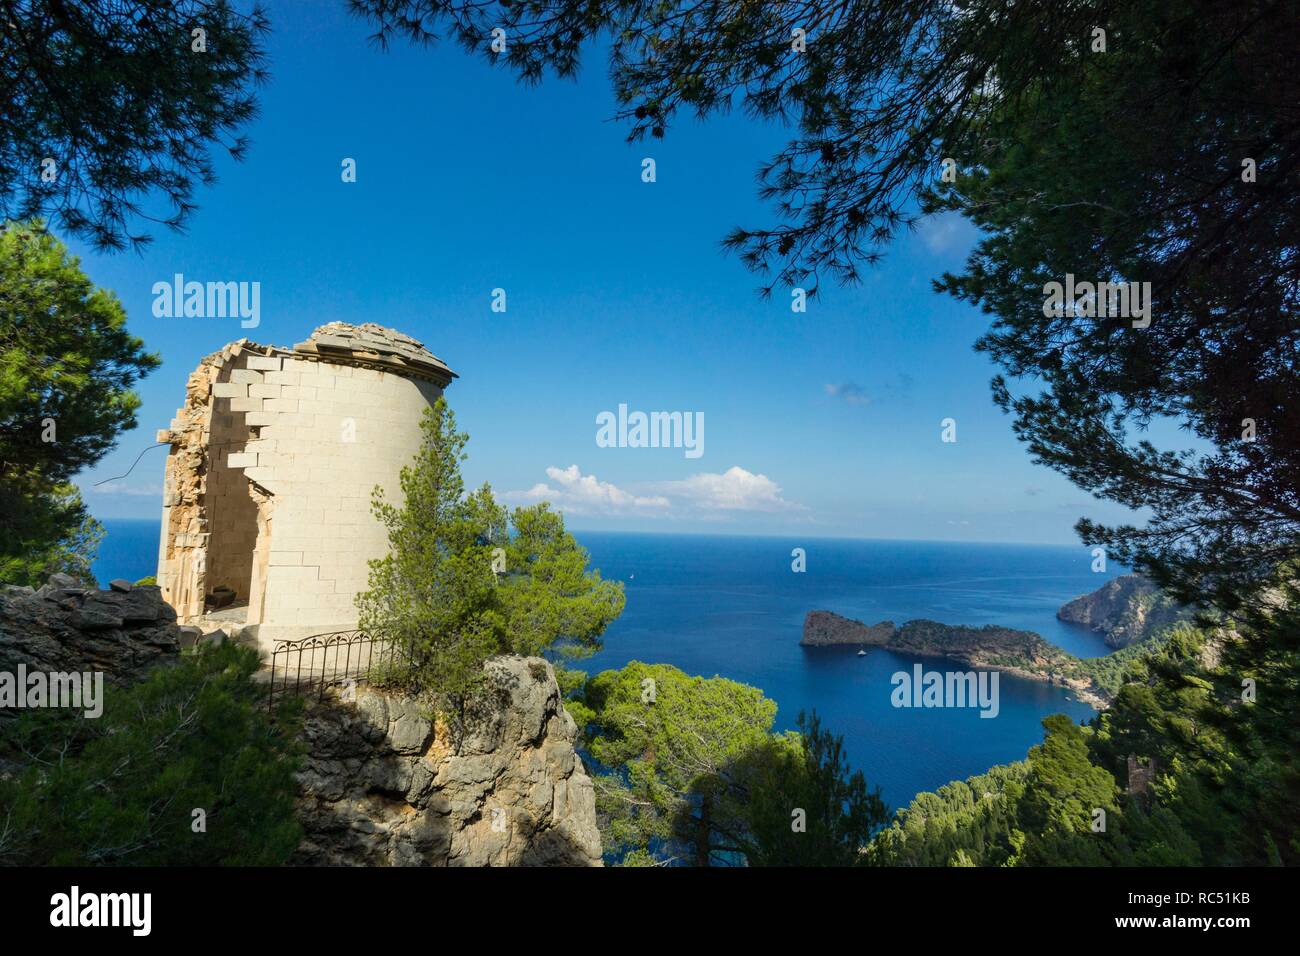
{"type": "Point", "coordinates": [825, 423]}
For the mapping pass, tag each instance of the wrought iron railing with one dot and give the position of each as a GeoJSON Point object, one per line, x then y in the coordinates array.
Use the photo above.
{"type": "Point", "coordinates": [315, 664]}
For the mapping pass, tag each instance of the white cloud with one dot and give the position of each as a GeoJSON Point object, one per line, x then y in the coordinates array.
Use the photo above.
{"type": "Point", "coordinates": [946, 232]}
{"type": "Point", "coordinates": [579, 494]}
{"type": "Point", "coordinates": [850, 392]}
{"type": "Point", "coordinates": [733, 490]}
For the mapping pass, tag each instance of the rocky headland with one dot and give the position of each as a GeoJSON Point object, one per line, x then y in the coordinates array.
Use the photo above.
{"type": "Point", "coordinates": [1126, 610]}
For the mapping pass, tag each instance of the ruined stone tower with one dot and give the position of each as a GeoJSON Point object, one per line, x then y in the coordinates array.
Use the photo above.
{"type": "Point", "coordinates": [266, 507]}
{"type": "Point", "coordinates": [1141, 774]}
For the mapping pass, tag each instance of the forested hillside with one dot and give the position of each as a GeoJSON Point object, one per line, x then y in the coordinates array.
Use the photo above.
{"type": "Point", "coordinates": [1219, 772]}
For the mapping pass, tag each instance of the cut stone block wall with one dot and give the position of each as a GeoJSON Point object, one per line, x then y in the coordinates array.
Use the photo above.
{"type": "Point", "coordinates": [274, 458]}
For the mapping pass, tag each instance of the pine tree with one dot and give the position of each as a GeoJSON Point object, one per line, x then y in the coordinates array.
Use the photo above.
{"type": "Point", "coordinates": [67, 367]}
{"type": "Point", "coordinates": [464, 580]}
{"type": "Point", "coordinates": [107, 108]}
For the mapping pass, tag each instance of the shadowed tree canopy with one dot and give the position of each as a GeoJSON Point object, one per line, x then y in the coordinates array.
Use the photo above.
{"type": "Point", "coordinates": [688, 770]}
{"type": "Point", "coordinates": [1118, 140]}
{"type": "Point", "coordinates": [109, 109]}
{"type": "Point", "coordinates": [122, 789]}
{"type": "Point", "coordinates": [1172, 160]}
{"type": "Point", "coordinates": [805, 805]}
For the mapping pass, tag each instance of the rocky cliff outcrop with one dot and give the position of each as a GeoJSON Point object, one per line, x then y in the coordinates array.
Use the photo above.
{"type": "Point", "coordinates": [382, 785]}
{"type": "Point", "coordinates": [1127, 610]}
{"type": "Point", "coordinates": [121, 632]}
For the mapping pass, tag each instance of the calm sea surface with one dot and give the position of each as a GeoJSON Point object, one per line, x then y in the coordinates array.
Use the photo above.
{"type": "Point", "coordinates": [731, 606]}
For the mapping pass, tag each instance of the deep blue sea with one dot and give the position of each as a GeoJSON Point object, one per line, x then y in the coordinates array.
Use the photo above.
{"type": "Point", "coordinates": [732, 606]}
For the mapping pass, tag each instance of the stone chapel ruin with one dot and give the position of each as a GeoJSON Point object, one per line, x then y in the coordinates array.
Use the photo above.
{"type": "Point", "coordinates": [266, 504]}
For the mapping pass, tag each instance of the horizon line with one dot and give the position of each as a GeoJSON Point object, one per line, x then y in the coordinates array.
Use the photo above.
{"type": "Point", "coordinates": [766, 535]}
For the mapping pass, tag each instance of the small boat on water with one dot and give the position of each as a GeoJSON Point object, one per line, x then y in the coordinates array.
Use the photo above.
{"type": "Point", "coordinates": [862, 652]}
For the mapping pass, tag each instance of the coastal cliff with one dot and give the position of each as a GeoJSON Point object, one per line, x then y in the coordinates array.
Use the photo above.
{"type": "Point", "coordinates": [1126, 610]}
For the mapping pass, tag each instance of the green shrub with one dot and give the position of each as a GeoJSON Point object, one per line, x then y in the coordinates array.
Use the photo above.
{"type": "Point", "coordinates": [126, 788]}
